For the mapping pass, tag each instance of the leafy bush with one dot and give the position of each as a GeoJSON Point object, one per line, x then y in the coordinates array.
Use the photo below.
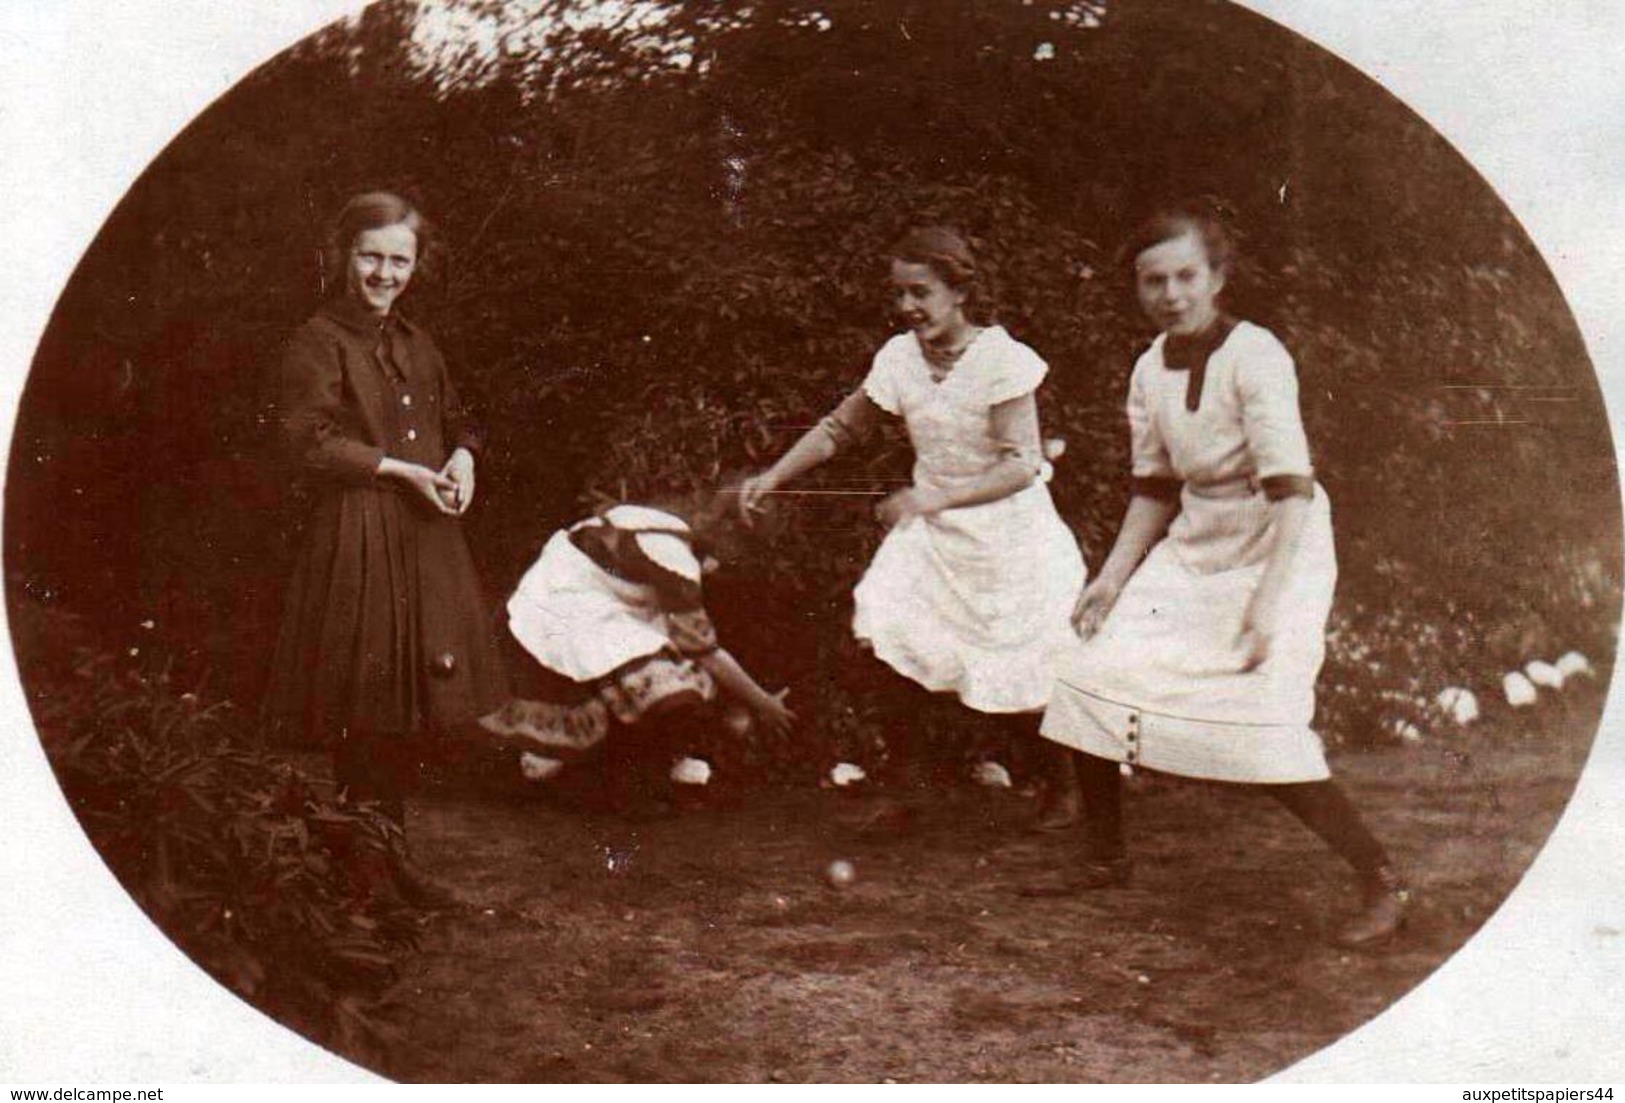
{"type": "Point", "coordinates": [666, 229]}
{"type": "Point", "coordinates": [239, 857]}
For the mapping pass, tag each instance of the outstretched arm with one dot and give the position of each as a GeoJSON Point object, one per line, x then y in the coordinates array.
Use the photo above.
{"type": "Point", "coordinates": [737, 680]}
{"type": "Point", "coordinates": [849, 423]}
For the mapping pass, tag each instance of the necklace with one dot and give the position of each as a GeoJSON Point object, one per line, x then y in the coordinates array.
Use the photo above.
{"type": "Point", "coordinates": [942, 358]}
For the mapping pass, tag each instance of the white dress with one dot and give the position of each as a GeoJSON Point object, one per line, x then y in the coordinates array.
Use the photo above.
{"type": "Point", "coordinates": [577, 619]}
{"type": "Point", "coordinates": [1161, 685]}
{"type": "Point", "coordinates": [972, 601]}
{"type": "Point", "coordinates": [592, 626]}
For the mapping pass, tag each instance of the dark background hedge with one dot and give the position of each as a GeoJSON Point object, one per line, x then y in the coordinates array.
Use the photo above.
{"type": "Point", "coordinates": [663, 243]}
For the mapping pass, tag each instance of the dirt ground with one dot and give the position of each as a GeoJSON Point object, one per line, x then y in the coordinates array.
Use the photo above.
{"type": "Point", "coordinates": [708, 947]}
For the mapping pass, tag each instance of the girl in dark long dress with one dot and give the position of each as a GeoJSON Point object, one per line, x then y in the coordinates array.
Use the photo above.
{"type": "Point", "coordinates": [385, 637]}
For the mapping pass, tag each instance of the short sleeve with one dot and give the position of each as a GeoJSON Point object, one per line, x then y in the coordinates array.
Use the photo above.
{"type": "Point", "coordinates": [1148, 451]}
{"type": "Point", "coordinates": [883, 384]}
{"type": "Point", "coordinates": [850, 422]}
{"type": "Point", "coordinates": [1017, 371]}
{"type": "Point", "coordinates": [1267, 387]}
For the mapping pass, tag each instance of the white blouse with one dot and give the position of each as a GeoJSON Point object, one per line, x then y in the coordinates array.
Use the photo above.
{"type": "Point", "coordinates": [950, 421]}
{"type": "Point", "coordinates": [1247, 427]}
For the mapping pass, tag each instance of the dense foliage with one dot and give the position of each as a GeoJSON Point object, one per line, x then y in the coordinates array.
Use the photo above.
{"type": "Point", "coordinates": [249, 865]}
{"type": "Point", "coordinates": [663, 236]}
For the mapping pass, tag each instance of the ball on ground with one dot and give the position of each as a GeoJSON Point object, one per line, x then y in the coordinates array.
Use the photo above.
{"type": "Point", "coordinates": [737, 721]}
{"type": "Point", "coordinates": [840, 873]}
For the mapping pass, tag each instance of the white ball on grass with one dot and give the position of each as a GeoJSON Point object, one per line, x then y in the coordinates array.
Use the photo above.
{"type": "Point", "coordinates": [537, 767]}
{"type": "Point", "coordinates": [840, 873]}
{"type": "Point", "coordinates": [1575, 665]}
{"type": "Point", "coordinates": [991, 774]}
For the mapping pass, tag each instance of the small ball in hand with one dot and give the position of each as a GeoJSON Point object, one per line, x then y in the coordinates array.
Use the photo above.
{"type": "Point", "coordinates": [445, 664]}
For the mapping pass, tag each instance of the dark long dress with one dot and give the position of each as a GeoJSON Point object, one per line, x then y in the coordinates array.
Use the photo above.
{"type": "Point", "coordinates": [385, 588]}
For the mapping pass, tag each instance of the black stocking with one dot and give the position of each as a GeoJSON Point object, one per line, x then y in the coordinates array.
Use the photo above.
{"type": "Point", "coordinates": [1100, 783]}
{"type": "Point", "coordinates": [1325, 809]}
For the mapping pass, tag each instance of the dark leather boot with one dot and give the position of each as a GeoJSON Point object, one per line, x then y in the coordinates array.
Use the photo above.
{"type": "Point", "coordinates": [888, 816]}
{"type": "Point", "coordinates": [1387, 900]}
{"type": "Point", "coordinates": [1062, 808]}
{"type": "Point", "coordinates": [1089, 875]}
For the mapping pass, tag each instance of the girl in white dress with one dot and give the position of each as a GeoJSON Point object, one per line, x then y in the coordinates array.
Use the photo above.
{"type": "Point", "coordinates": [612, 613]}
{"type": "Point", "coordinates": [1201, 660]}
{"type": "Point", "coordinates": [968, 594]}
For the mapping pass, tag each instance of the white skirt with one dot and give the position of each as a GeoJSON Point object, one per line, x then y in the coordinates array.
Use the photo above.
{"type": "Point", "coordinates": [975, 601]}
{"type": "Point", "coordinates": [580, 621]}
{"type": "Point", "coordinates": [1161, 684]}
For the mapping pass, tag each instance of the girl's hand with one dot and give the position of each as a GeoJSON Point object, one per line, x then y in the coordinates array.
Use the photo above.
{"type": "Point", "coordinates": [432, 486]}
{"type": "Point", "coordinates": [752, 494]}
{"type": "Point", "coordinates": [460, 470]}
{"type": "Point", "coordinates": [896, 508]}
{"type": "Point", "coordinates": [1257, 634]}
{"type": "Point", "coordinates": [1094, 605]}
{"type": "Point", "coordinates": [775, 716]}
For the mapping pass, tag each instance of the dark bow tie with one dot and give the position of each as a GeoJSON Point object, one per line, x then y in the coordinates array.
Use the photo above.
{"type": "Point", "coordinates": [386, 351]}
{"type": "Point", "coordinates": [1191, 354]}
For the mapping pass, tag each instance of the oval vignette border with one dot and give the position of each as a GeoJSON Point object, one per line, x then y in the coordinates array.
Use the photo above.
{"type": "Point", "coordinates": [98, 995]}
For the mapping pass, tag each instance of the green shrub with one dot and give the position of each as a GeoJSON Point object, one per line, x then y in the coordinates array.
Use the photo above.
{"type": "Point", "coordinates": [239, 857]}
{"type": "Point", "coordinates": [663, 271]}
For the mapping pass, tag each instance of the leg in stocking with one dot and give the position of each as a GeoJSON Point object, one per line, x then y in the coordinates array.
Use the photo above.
{"type": "Point", "coordinates": [1063, 798]}
{"type": "Point", "coordinates": [907, 768]}
{"type": "Point", "coordinates": [1100, 791]}
{"type": "Point", "coordinates": [1105, 862]}
{"type": "Point", "coordinates": [1325, 809]}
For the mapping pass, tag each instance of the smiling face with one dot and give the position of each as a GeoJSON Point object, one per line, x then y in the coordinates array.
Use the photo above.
{"type": "Point", "coordinates": [1178, 285]}
{"type": "Point", "coordinates": [925, 302]}
{"type": "Point", "coordinates": [380, 266]}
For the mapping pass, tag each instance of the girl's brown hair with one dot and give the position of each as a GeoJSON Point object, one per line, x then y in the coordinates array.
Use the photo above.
{"type": "Point", "coordinates": [1166, 223]}
{"type": "Point", "coordinates": [373, 211]}
{"type": "Point", "coordinates": [946, 252]}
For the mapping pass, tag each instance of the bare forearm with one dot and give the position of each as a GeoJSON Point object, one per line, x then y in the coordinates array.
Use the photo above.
{"type": "Point", "coordinates": [1289, 516]}
{"type": "Point", "coordinates": [1144, 524]}
{"type": "Point", "coordinates": [735, 679]}
{"type": "Point", "coordinates": [814, 447]}
{"type": "Point", "coordinates": [1003, 479]}
{"type": "Point", "coordinates": [1013, 424]}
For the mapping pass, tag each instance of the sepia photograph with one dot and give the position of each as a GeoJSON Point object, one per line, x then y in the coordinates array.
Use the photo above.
{"type": "Point", "coordinates": [817, 541]}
